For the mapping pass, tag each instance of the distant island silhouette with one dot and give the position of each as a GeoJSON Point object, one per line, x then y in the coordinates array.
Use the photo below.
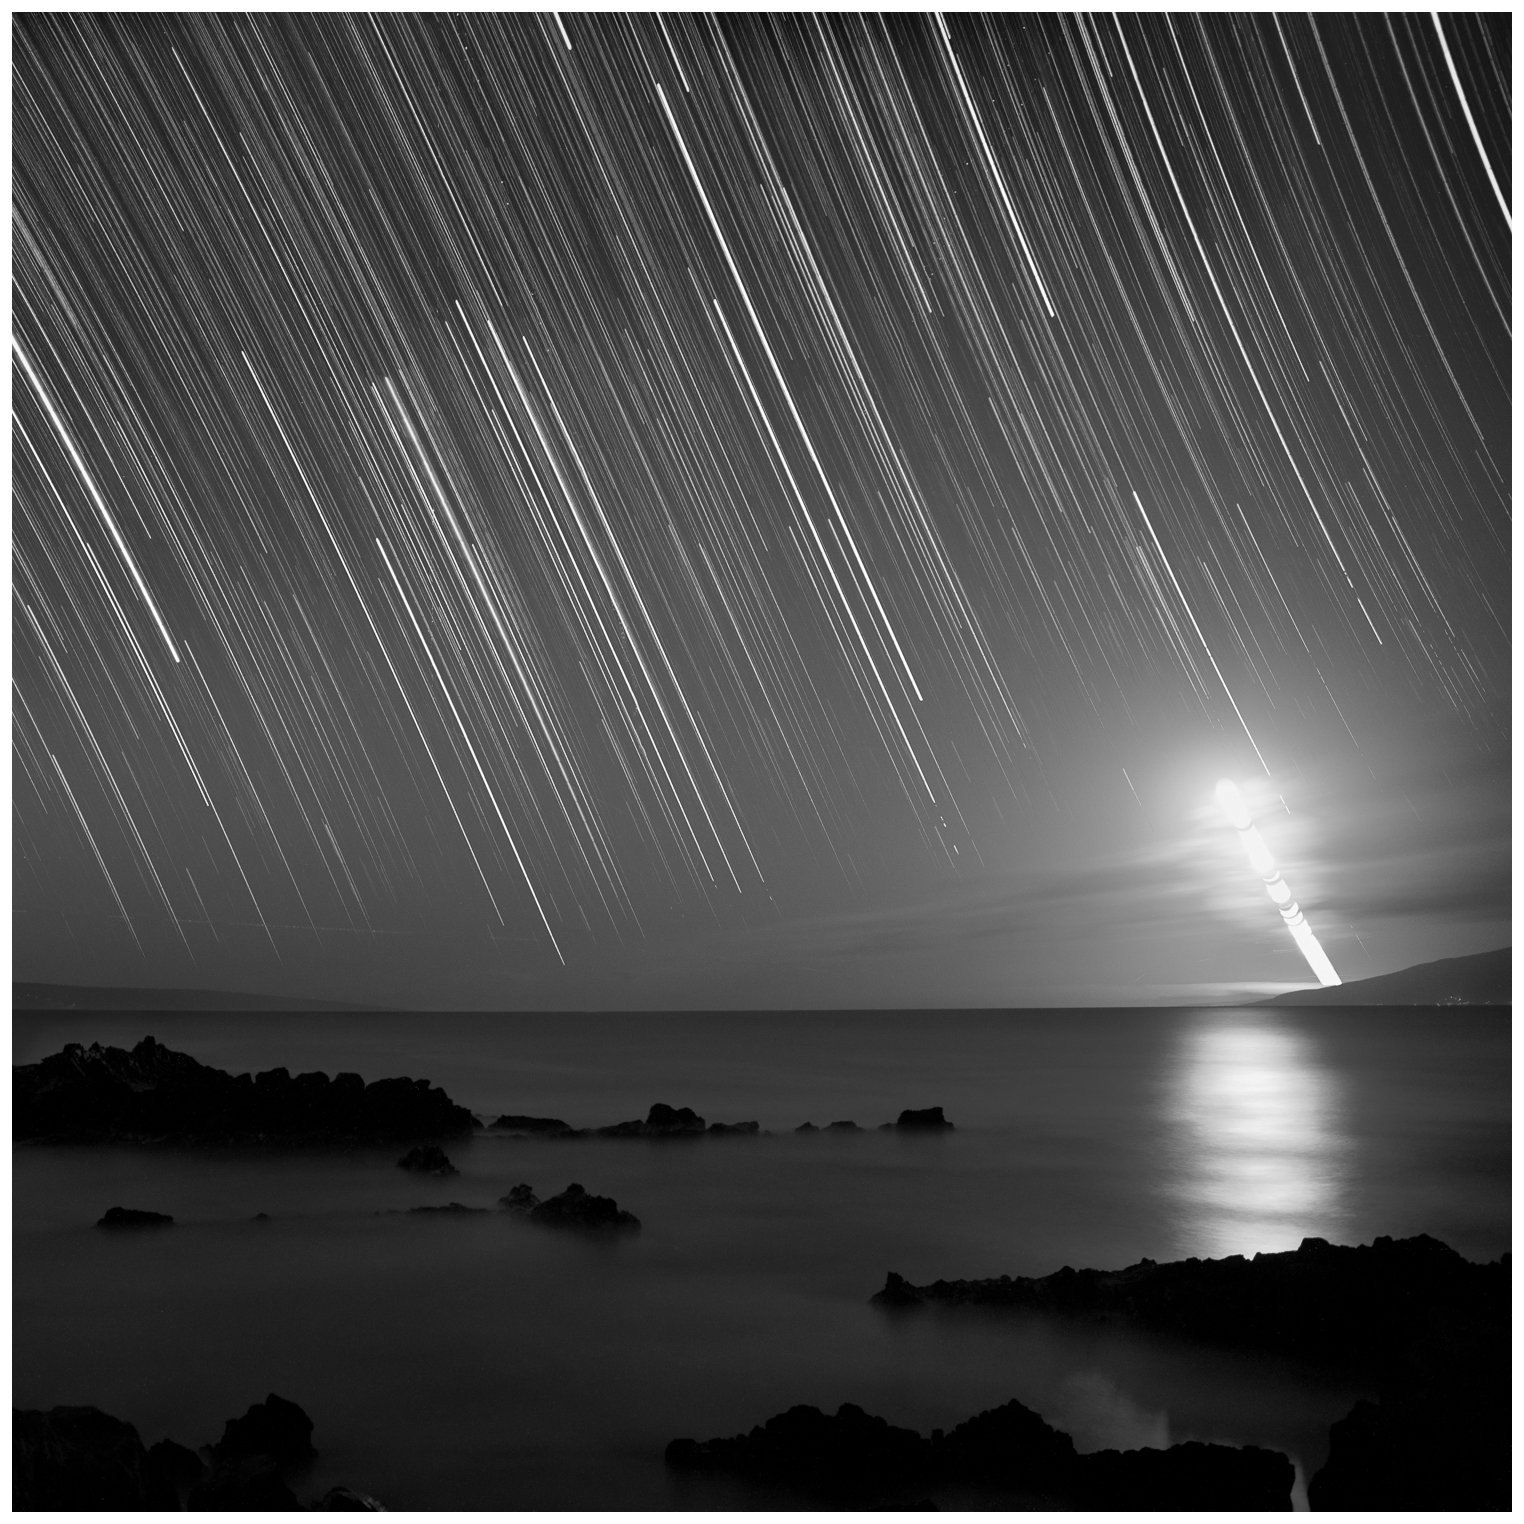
{"type": "Point", "coordinates": [1481, 979]}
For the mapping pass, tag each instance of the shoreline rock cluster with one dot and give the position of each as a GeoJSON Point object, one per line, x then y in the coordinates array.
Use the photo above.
{"type": "Point", "coordinates": [663, 1121]}
{"type": "Point", "coordinates": [853, 1460]}
{"type": "Point", "coordinates": [81, 1459]}
{"type": "Point", "coordinates": [1431, 1327]}
{"type": "Point", "coordinates": [150, 1094]}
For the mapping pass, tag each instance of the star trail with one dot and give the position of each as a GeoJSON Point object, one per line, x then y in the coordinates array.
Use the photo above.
{"type": "Point", "coordinates": [566, 480]}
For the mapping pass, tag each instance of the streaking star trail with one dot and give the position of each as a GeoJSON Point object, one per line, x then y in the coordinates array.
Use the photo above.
{"type": "Point", "coordinates": [559, 483]}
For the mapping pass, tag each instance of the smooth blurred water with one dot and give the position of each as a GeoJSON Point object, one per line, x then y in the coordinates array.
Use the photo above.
{"type": "Point", "coordinates": [484, 1363]}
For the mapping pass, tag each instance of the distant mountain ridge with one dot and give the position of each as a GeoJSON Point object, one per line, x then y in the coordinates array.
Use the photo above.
{"type": "Point", "coordinates": [1480, 979]}
{"type": "Point", "coordinates": [106, 997]}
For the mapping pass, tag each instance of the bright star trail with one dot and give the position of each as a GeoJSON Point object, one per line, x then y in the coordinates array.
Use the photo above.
{"type": "Point", "coordinates": [563, 482]}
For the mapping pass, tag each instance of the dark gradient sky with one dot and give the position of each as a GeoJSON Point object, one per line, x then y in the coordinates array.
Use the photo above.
{"type": "Point", "coordinates": [643, 511]}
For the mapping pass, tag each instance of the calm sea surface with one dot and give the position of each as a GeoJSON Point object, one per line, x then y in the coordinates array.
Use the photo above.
{"type": "Point", "coordinates": [482, 1363]}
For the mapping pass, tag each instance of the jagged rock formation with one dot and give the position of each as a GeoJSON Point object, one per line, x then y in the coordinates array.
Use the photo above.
{"type": "Point", "coordinates": [856, 1460]}
{"type": "Point", "coordinates": [573, 1208]}
{"type": "Point", "coordinates": [80, 1459]}
{"type": "Point", "coordinates": [1430, 1326]}
{"type": "Point", "coordinates": [1321, 1299]}
{"type": "Point", "coordinates": [151, 1094]}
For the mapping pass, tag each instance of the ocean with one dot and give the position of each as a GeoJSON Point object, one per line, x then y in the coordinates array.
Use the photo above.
{"type": "Point", "coordinates": [481, 1362]}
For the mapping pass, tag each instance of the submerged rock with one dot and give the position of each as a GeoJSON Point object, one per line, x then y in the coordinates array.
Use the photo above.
{"type": "Point", "coordinates": [856, 1460]}
{"type": "Point", "coordinates": [427, 1159]}
{"type": "Point", "coordinates": [151, 1094]}
{"type": "Point", "coordinates": [573, 1208]}
{"type": "Point", "coordinates": [129, 1217]}
{"type": "Point", "coordinates": [79, 1459]}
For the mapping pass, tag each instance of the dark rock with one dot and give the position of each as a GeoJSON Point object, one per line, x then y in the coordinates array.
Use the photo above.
{"type": "Point", "coordinates": [1192, 1477]}
{"type": "Point", "coordinates": [260, 1217]}
{"type": "Point", "coordinates": [748, 1129]}
{"type": "Point", "coordinates": [843, 1127]}
{"type": "Point", "coordinates": [251, 1484]}
{"type": "Point", "coordinates": [520, 1199]}
{"type": "Point", "coordinates": [427, 1159]}
{"type": "Point", "coordinates": [275, 1428]}
{"type": "Point", "coordinates": [1438, 1440]}
{"type": "Point", "coordinates": [574, 1208]}
{"type": "Point", "coordinates": [1370, 1303]}
{"type": "Point", "coordinates": [1008, 1445]}
{"type": "Point", "coordinates": [806, 1127]}
{"type": "Point", "coordinates": [129, 1217]}
{"type": "Point", "coordinates": [849, 1458]}
{"type": "Point", "coordinates": [176, 1463]}
{"type": "Point", "coordinates": [533, 1125]}
{"type": "Point", "coordinates": [450, 1209]}
{"type": "Point", "coordinates": [341, 1498]}
{"type": "Point", "coordinates": [152, 1094]}
{"type": "Point", "coordinates": [661, 1122]}
{"type": "Point", "coordinates": [857, 1460]}
{"type": "Point", "coordinates": [929, 1120]}
{"type": "Point", "coordinates": [83, 1460]}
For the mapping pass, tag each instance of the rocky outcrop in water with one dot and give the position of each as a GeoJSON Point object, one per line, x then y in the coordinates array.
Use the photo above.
{"type": "Point", "coordinates": [929, 1120]}
{"type": "Point", "coordinates": [534, 1127]}
{"type": "Point", "coordinates": [856, 1460]}
{"type": "Point", "coordinates": [573, 1208]}
{"type": "Point", "coordinates": [130, 1217]}
{"type": "Point", "coordinates": [427, 1159]}
{"type": "Point", "coordinates": [150, 1094]}
{"type": "Point", "coordinates": [662, 1121]}
{"type": "Point", "coordinates": [1321, 1300]}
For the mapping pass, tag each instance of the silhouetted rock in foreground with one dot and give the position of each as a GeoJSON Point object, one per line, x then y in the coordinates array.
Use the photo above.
{"type": "Point", "coordinates": [1439, 1438]}
{"type": "Point", "coordinates": [427, 1159]}
{"type": "Point", "coordinates": [249, 1485]}
{"type": "Point", "coordinates": [275, 1428]}
{"type": "Point", "coordinates": [153, 1095]}
{"type": "Point", "coordinates": [573, 1208]}
{"type": "Point", "coordinates": [1432, 1327]}
{"type": "Point", "coordinates": [80, 1459]}
{"type": "Point", "coordinates": [857, 1460]}
{"type": "Point", "coordinates": [130, 1217]}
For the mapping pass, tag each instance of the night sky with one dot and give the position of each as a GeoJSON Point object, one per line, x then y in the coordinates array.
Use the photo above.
{"type": "Point", "coordinates": [634, 511]}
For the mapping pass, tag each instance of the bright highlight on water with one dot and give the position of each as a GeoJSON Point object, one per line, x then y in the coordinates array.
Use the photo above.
{"type": "Point", "coordinates": [1263, 862]}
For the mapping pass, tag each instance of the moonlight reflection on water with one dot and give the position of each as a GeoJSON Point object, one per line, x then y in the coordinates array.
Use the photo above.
{"type": "Point", "coordinates": [1261, 1153]}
